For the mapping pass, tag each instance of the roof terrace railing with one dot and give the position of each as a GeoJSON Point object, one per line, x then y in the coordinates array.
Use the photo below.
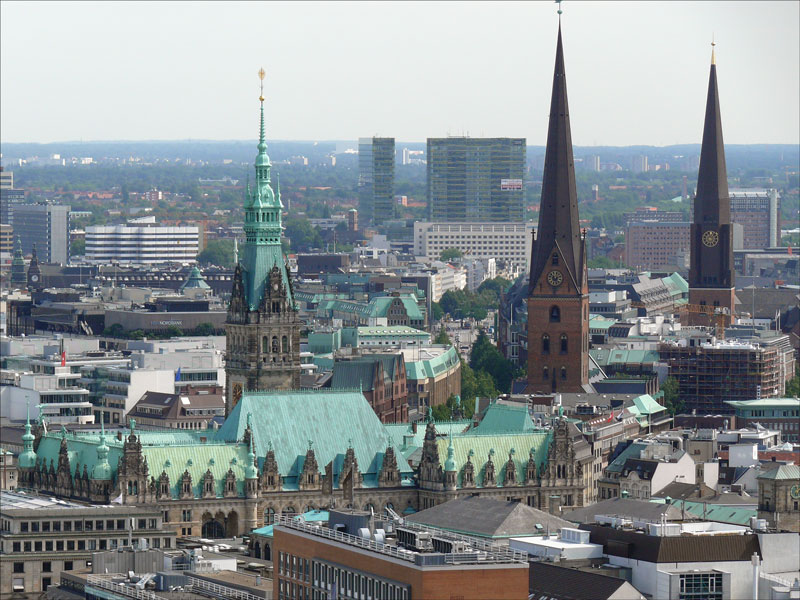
{"type": "Point", "coordinates": [484, 551]}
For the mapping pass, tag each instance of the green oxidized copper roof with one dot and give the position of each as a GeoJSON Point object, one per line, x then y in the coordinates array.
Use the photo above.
{"type": "Point", "coordinates": [379, 306]}
{"type": "Point", "coordinates": [645, 405]}
{"type": "Point", "coordinates": [195, 280]}
{"type": "Point", "coordinates": [482, 445]}
{"type": "Point", "coordinates": [499, 418]}
{"type": "Point", "coordinates": [450, 463]}
{"type": "Point", "coordinates": [716, 512]}
{"type": "Point", "coordinates": [430, 367]}
{"type": "Point", "coordinates": [102, 469]}
{"type": "Point", "coordinates": [27, 457]}
{"type": "Point", "coordinates": [331, 420]}
{"type": "Point", "coordinates": [782, 472]}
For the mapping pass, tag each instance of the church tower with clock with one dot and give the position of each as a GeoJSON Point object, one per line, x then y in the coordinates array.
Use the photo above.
{"type": "Point", "coordinates": [711, 274]}
{"type": "Point", "coordinates": [558, 296]}
{"type": "Point", "coordinates": [262, 329]}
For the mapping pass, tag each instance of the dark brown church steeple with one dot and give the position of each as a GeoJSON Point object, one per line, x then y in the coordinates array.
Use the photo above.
{"type": "Point", "coordinates": [711, 274]}
{"type": "Point", "coordinates": [558, 212]}
{"type": "Point", "coordinates": [558, 297]}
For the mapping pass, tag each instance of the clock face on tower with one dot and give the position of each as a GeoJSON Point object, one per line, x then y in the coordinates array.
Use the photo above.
{"type": "Point", "coordinates": [34, 278]}
{"type": "Point", "coordinates": [795, 491]}
{"type": "Point", "coordinates": [710, 238]}
{"type": "Point", "coordinates": [555, 278]}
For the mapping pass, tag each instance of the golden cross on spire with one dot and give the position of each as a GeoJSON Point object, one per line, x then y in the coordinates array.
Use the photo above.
{"type": "Point", "coordinates": [261, 74]}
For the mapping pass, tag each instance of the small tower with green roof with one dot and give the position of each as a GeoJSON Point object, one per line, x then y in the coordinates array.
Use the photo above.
{"type": "Point", "coordinates": [27, 458]}
{"type": "Point", "coordinates": [450, 473]}
{"type": "Point", "coordinates": [262, 327]}
{"type": "Point", "coordinates": [101, 472]}
{"type": "Point", "coordinates": [18, 276]}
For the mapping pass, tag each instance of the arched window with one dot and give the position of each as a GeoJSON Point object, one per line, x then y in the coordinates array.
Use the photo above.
{"type": "Point", "coordinates": [563, 372]}
{"type": "Point", "coordinates": [555, 314]}
{"type": "Point", "coordinates": [563, 343]}
{"type": "Point", "coordinates": [545, 373]}
{"type": "Point", "coordinates": [545, 344]}
{"type": "Point", "coordinates": [275, 344]}
{"type": "Point", "coordinates": [285, 344]}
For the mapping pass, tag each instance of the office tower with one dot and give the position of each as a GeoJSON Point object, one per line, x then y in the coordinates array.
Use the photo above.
{"type": "Point", "coordinates": [375, 180]}
{"type": "Point", "coordinates": [9, 197]}
{"type": "Point", "coordinates": [476, 179]}
{"type": "Point", "coordinates": [711, 275]}
{"type": "Point", "coordinates": [141, 241]}
{"type": "Point", "coordinates": [47, 227]}
{"type": "Point", "coordinates": [558, 296]}
{"type": "Point", "coordinates": [262, 330]}
{"type": "Point", "coordinates": [758, 211]}
{"type": "Point", "coordinates": [6, 239]}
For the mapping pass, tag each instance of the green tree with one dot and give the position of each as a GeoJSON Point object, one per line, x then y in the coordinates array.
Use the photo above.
{"type": "Point", "coordinates": [496, 285]}
{"type": "Point", "coordinates": [672, 400]}
{"type": "Point", "coordinates": [77, 247]}
{"type": "Point", "coordinates": [793, 385]}
{"type": "Point", "coordinates": [204, 329]}
{"type": "Point", "coordinates": [437, 313]}
{"type": "Point", "coordinates": [302, 235]}
{"type": "Point", "coordinates": [115, 330]}
{"type": "Point", "coordinates": [442, 337]}
{"type": "Point", "coordinates": [451, 254]}
{"type": "Point", "coordinates": [173, 331]}
{"type": "Point", "coordinates": [486, 359]}
{"type": "Point", "coordinates": [217, 252]}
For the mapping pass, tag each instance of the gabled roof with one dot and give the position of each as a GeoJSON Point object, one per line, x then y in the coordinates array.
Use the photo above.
{"type": "Point", "coordinates": [331, 420]}
{"type": "Point", "coordinates": [782, 472]}
{"type": "Point", "coordinates": [353, 375]}
{"type": "Point", "coordinates": [624, 507]}
{"type": "Point", "coordinates": [561, 583]}
{"type": "Point", "coordinates": [486, 517]}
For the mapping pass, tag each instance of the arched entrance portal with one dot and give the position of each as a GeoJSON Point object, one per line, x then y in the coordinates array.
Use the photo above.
{"type": "Point", "coordinates": [213, 529]}
{"type": "Point", "coordinates": [232, 524]}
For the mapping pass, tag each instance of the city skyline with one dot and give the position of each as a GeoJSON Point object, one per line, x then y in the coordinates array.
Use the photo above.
{"type": "Point", "coordinates": [188, 71]}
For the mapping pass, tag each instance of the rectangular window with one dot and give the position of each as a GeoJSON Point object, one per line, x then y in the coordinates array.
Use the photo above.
{"type": "Point", "coordinates": [78, 525]}
{"type": "Point", "coordinates": [19, 567]}
{"type": "Point", "coordinates": [46, 581]}
{"type": "Point", "coordinates": [56, 525]}
{"type": "Point", "coordinates": [110, 524]}
{"type": "Point", "coordinates": [70, 545]}
{"type": "Point", "coordinates": [142, 523]}
{"type": "Point", "coordinates": [23, 527]}
{"type": "Point", "coordinates": [68, 565]}
{"type": "Point", "coordinates": [35, 526]}
{"type": "Point", "coordinates": [16, 547]}
{"type": "Point", "coordinates": [81, 545]}
{"type": "Point", "coordinates": [48, 546]}
{"type": "Point", "coordinates": [47, 567]}
{"type": "Point", "coordinates": [45, 526]}
{"type": "Point", "coordinates": [98, 525]}
{"type": "Point", "coordinates": [60, 546]}
{"type": "Point", "coordinates": [67, 525]}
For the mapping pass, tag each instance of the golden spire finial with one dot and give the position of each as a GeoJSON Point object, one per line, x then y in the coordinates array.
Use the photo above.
{"type": "Point", "coordinates": [713, 59]}
{"type": "Point", "coordinates": [261, 74]}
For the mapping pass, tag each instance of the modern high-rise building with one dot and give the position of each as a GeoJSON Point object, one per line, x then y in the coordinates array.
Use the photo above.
{"type": "Point", "coordinates": [507, 242]}
{"type": "Point", "coordinates": [262, 329]}
{"type": "Point", "coordinates": [711, 275]}
{"type": "Point", "coordinates": [141, 241]}
{"type": "Point", "coordinates": [6, 179]}
{"type": "Point", "coordinates": [758, 211]}
{"type": "Point", "coordinates": [9, 197]}
{"type": "Point", "coordinates": [375, 180]}
{"type": "Point", "coordinates": [45, 226]}
{"type": "Point", "coordinates": [476, 179]}
{"type": "Point", "coordinates": [558, 296]}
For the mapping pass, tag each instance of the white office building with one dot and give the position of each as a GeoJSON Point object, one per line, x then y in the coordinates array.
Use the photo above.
{"type": "Point", "coordinates": [508, 242]}
{"type": "Point", "coordinates": [141, 241]}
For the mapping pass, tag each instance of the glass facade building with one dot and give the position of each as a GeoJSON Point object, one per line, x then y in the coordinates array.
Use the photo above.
{"type": "Point", "coordinates": [476, 179]}
{"type": "Point", "coordinates": [375, 180]}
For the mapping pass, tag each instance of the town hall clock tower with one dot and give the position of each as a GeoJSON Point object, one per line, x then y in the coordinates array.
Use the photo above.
{"type": "Point", "coordinates": [262, 329]}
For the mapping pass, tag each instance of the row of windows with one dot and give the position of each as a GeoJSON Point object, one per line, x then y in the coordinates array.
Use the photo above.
{"type": "Point", "coordinates": [79, 545]}
{"type": "Point", "coordinates": [88, 525]}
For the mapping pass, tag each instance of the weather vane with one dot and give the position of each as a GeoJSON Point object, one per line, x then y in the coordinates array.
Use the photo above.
{"type": "Point", "coordinates": [559, 7]}
{"type": "Point", "coordinates": [261, 74]}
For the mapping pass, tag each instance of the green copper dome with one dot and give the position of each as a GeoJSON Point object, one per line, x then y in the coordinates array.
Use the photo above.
{"type": "Point", "coordinates": [27, 458]}
{"type": "Point", "coordinates": [195, 280]}
{"type": "Point", "coordinates": [251, 471]}
{"type": "Point", "coordinates": [450, 463]}
{"type": "Point", "coordinates": [102, 470]}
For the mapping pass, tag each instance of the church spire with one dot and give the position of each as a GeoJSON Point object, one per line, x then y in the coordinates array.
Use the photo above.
{"type": "Point", "coordinates": [559, 228]}
{"type": "Point", "coordinates": [712, 204]}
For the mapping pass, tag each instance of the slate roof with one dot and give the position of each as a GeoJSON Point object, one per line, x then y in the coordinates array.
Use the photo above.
{"type": "Point", "coordinates": [673, 549]}
{"type": "Point", "coordinates": [624, 507]}
{"type": "Point", "coordinates": [561, 583]}
{"type": "Point", "coordinates": [330, 419]}
{"type": "Point", "coordinates": [485, 517]}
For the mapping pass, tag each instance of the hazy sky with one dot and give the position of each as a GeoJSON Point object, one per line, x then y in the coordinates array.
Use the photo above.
{"type": "Point", "coordinates": [637, 72]}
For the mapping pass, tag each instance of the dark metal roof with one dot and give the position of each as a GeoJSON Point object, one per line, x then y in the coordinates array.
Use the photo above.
{"type": "Point", "coordinates": [486, 517]}
{"type": "Point", "coordinates": [558, 214]}
{"type": "Point", "coordinates": [673, 549]}
{"type": "Point", "coordinates": [627, 507]}
{"type": "Point", "coordinates": [561, 583]}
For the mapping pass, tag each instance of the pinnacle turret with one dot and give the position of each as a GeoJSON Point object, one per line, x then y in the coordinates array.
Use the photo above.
{"type": "Point", "coordinates": [27, 458]}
